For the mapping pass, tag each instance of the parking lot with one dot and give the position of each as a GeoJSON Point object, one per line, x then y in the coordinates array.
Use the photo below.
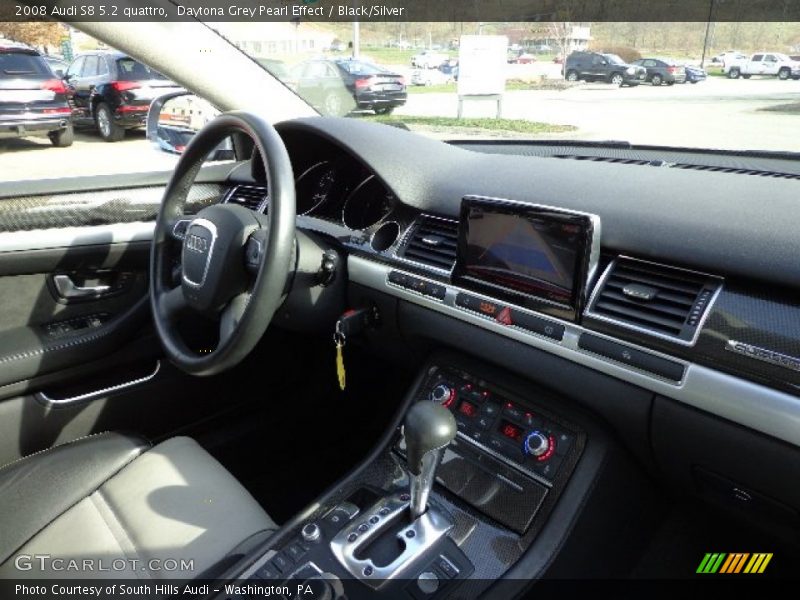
{"type": "Point", "coordinates": [36, 158]}
{"type": "Point", "coordinates": [717, 113]}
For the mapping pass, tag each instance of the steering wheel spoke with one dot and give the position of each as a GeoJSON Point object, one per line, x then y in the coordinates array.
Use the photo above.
{"type": "Point", "coordinates": [173, 303]}
{"type": "Point", "coordinates": [231, 316]}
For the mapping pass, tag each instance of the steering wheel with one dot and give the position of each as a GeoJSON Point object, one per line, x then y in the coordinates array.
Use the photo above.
{"type": "Point", "coordinates": [234, 262]}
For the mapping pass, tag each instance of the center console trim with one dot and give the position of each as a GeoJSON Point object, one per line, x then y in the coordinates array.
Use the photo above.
{"type": "Point", "coordinates": [418, 537]}
{"type": "Point", "coordinates": [761, 408]}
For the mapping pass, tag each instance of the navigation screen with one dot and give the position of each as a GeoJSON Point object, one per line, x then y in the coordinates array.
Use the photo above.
{"type": "Point", "coordinates": [538, 252]}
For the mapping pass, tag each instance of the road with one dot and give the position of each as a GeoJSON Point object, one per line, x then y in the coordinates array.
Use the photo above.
{"type": "Point", "coordinates": [718, 113]}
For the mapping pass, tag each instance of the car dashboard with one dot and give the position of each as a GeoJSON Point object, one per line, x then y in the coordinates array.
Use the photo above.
{"type": "Point", "coordinates": [724, 331]}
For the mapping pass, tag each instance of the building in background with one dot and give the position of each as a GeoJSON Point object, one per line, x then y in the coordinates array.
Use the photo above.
{"type": "Point", "coordinates": [275, 39]}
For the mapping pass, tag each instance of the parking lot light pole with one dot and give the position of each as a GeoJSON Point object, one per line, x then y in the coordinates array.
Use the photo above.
{"type": "Point", "coordinates": [708, 30]}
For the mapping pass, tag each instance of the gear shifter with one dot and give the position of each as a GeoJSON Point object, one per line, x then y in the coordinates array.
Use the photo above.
{"type": "Point", "coordinates": [383, 542]}
{"type": "Point", "coordinates": [428, 429]}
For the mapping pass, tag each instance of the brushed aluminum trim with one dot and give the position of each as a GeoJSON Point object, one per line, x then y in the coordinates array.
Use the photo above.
{"type": "Point", "coordinates": [763, 409]}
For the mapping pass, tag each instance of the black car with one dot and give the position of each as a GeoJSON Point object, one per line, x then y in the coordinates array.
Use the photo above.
{"type": "Point", "coordinates": [113, 92]}
{"type": "Point", "coordinates": [33, 101]}
{"type": "Point", "coordinates": [596, 66]}
{"type": "Point", "coordinates": [694, 74]}
{"type": "Point", "coordinates": [662, 70]}
{"type": "Point", "coordinates": [337, 87]}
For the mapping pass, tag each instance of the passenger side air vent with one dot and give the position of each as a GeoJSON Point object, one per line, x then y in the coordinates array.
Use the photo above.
{"type": "Point", "coordinates": [653, 299]}
{"type": "Point", "coordinates": [432, 242]}
{"type": "Point", "coordinates": [249, 196]}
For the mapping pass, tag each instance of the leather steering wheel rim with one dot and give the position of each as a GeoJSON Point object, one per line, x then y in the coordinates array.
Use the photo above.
{"type": "Point", "coordinates": [220, 237]}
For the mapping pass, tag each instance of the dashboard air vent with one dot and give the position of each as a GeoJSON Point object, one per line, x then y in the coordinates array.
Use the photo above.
{"type": "Point", "coordinates": [653, 299]}
{"type": "Point", "coordinates": [249, 196]}
{"type": "Point", "coordinates": [432, 242]}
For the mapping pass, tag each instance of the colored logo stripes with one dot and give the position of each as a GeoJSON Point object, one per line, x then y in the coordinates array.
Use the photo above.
{"type": "Point", "coordinates": [736, 562]}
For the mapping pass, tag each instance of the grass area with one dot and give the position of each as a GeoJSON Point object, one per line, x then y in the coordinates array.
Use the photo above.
{"type": "Point", "coordinates": [511, 86]}
{"type": "Point", "coordinates": [473, 125]}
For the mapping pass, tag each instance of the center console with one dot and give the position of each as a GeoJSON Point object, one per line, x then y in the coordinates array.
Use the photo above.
{"type": "Point", "coordinates": [453, 498]}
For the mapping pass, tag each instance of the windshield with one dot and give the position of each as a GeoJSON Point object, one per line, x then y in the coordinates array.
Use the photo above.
{"type": "Point", "coordinates": [550, 81]}
{"type": "Point", "coordinates": [132, 70]}
{"type": "Point", "coordinates": [614, 59]}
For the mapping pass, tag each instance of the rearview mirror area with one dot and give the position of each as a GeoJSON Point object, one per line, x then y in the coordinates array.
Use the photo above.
{"type": "Point", "coordinates": [175, 118]}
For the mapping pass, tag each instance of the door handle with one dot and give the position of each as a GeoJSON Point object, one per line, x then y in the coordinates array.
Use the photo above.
{"type": "Point", "coordinates": [69, 289]}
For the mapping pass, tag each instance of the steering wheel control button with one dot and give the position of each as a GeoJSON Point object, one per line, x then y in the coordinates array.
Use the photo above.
{"type": "Point", "coordinates": [368, 571]}
{"type": "Point", "coordinates": [352, 537]}
{"type": "Point", "coordinates": [374, 519]}
{"type": "Point", "coordinates": [310, 532]}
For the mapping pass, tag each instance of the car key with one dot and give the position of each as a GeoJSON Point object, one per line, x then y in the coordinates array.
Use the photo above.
{"type": "Point", "coordinates": [339, 340]}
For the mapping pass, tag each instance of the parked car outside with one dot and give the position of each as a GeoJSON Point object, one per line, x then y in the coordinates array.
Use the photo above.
{"type": "Point", "coordinates": [33, 101]}
{"type": "Point", "coordinates": [112, 92]}
{"type": "Point", "coordinates": [338, 87]}
{"type": "Point", "coordinates": [57, 65]}
{"type": "Point", "coordinates": [662, 70]}
{"type": "Point", "coordinates": [276, 67]}
{"type": "Point", "coordinates": [596, 66]}
{"type": "Point", "coordinates": [429, 77]}
{"type": "Point", "coordinates": [768, 64]}
{"type": "Point", "coordinates": [694, 74]}
{"type": "Point", "coordinates": [727, 56]}
{"type": "Point", "coordinates": [428, 59]}
{"type": "Point", "coordinates": [524, 59]}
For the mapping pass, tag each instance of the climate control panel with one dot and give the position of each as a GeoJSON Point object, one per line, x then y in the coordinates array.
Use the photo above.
{"type": "Point", "coordinates": [507, 428]}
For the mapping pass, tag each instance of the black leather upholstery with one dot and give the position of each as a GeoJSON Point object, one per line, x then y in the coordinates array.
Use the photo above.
{"type": "Point", "coordinates": [38, 488]}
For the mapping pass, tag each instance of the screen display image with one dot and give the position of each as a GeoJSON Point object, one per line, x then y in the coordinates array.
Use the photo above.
{"type": "Point", "coordinates": [533, 254]}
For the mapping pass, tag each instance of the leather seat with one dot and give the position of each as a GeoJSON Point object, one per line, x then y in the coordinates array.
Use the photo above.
{"type": "Point", "coordinates": [170, 511]}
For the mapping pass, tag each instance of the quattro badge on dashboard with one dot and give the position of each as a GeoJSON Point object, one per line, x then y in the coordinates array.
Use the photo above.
{"type": "Point", "coordinates": [762, 354]}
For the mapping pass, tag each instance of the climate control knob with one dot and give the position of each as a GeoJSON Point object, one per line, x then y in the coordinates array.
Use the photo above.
{"type": "Point", "coordinates": [443, 394]}
{"type": "Point", "coordinates": [536, 444]}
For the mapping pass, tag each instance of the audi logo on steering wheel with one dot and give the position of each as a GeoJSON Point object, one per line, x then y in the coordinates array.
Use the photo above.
{"type": "Point", "coordinates": [196, 243]}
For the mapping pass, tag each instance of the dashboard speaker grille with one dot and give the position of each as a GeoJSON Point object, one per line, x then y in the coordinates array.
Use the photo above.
{"type": "Point", "coordinates": [654, 299]}
{"type": "Point", "coordinates": [433, 241]}
{"type": "Point", "coordinates": [249, 196]}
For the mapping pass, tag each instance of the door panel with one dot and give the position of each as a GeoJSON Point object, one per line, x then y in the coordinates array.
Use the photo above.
{"type": "Point", "coordinates": [60, 341]}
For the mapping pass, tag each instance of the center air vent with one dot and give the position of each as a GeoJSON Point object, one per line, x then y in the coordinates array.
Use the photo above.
{"type": "Point", "coordinates": [249, 196]}
{"type": "Point", "coordinates": [432, 242]}
{"type": "Point", "coordinates": [654, 299]}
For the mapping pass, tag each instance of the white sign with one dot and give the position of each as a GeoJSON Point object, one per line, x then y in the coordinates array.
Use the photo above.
{"type": "Point", "coordinates": [482, 61]}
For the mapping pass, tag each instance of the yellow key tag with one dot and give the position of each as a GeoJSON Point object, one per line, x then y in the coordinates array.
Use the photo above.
{"type": "Point", "coordinates": [340, 365]}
